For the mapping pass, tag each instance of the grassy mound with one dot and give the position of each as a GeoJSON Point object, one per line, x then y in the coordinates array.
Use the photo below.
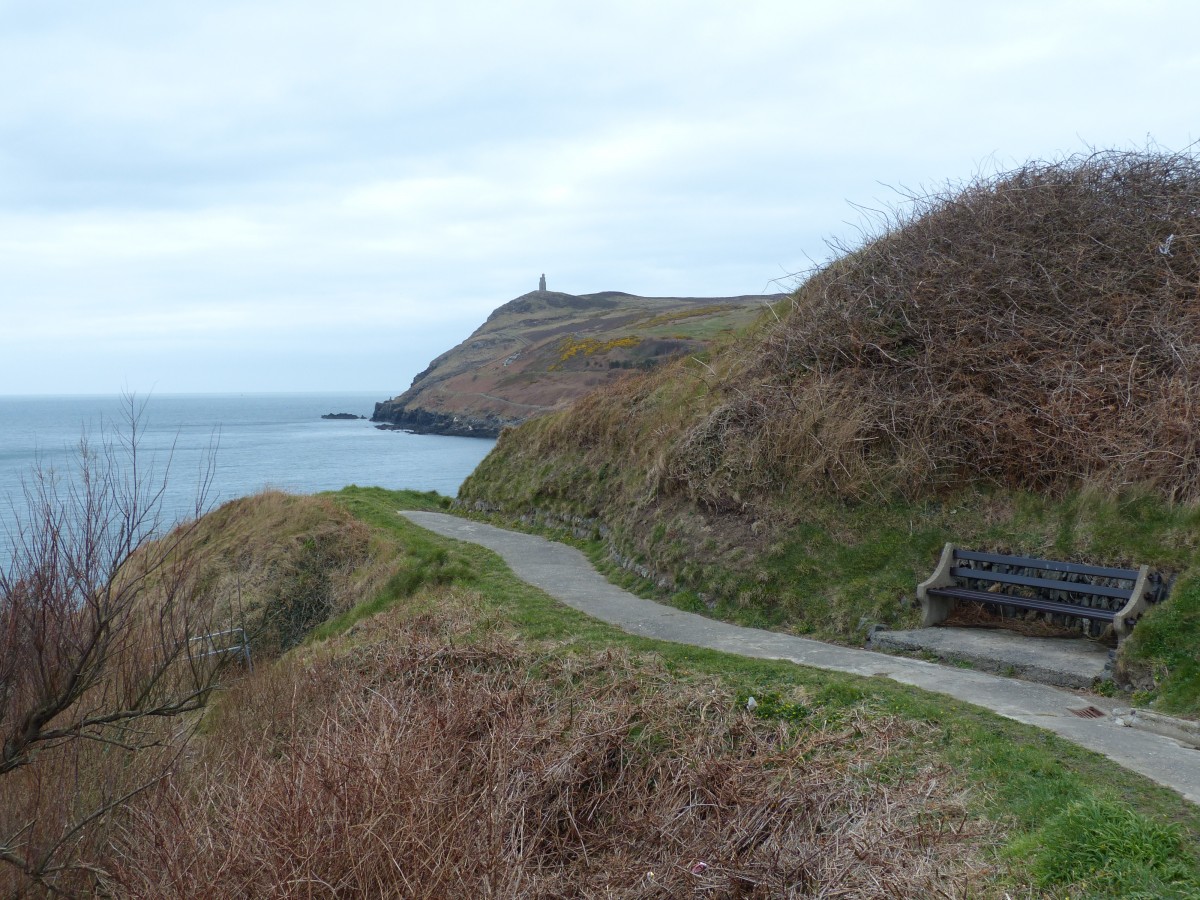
{"type": "Point", "coordinates": [1010, 364]}
{"type": "Point", "coordinates": [294, 563]}
{"type": "Point", "coordinates": [1035, 330]}
{"type": "Point", "coordinates": [285, 561]}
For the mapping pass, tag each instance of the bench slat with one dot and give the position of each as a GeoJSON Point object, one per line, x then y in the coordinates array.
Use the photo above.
{"type": "Point", "coordinates": [1099, 590]}
{"type": "Point", "coordinates": [1069, 609]}
{"type": "Point", "coordinates": [1047, 565]}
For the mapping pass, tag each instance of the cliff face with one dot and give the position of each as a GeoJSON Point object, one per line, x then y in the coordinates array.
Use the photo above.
{"type": "Point", "coordinates": [543, 350]}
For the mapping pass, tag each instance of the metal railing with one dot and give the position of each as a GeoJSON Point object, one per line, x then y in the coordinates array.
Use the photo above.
{"type": "Point", "coordinates": [232, 645]}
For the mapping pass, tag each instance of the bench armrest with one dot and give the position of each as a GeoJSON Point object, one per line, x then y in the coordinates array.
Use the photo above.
{"type": "Point", "coordinates": [1138, 602]}
{"type": "Point", "coordinates": [935, 609]}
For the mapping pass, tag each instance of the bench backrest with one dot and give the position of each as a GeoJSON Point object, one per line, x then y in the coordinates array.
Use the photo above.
{"type": "Point", "coordinates": [1053, 575]}
{"type": "Point", "coordinates": [1047, 565]}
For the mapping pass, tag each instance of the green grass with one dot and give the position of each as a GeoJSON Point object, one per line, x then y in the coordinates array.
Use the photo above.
{"type": "Point", "coordinates": [1167, 644]}
{"type": "Point", "coordinates": [1110, 851]}
{"type": "Point", "coordinates": [425, 560]}
{"type": "Point", "coordinates": [1063, 802]}
{"type": "Point", "coordinates": [831, 569]}
{"type": "Point", "coordinates": [704, 328]}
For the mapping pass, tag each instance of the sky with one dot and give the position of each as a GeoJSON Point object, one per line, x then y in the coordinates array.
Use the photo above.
{"type": "Point", "coordinates": [250, 195]}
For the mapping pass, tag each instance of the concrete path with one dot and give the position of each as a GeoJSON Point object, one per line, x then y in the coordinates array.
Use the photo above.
{"type": "Point", "coordinates": [1065, 662]}
{"type": "Point", "coordinates": [567, 575]}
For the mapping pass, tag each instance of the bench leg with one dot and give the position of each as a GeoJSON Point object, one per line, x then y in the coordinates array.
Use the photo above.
{"type": "Point", "coordinates": [935, 609]}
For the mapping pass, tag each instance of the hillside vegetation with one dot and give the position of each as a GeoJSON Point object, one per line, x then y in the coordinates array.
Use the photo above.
{"type": "Point", "coordinates": [454, 731]}
{"type": "Point", "coordinates": [443, 729]}
{"type": "Point", "coordinates": [545, 349]}
{"type": "Point", "coordinates": [1012, 364]}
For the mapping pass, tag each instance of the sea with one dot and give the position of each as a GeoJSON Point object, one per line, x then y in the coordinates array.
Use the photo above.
{"type": "Point", "coordinates": [239, 443]}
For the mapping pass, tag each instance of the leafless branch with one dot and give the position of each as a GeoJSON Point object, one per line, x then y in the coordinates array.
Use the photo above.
{"type": "Point", "coordinates": [98, 608]}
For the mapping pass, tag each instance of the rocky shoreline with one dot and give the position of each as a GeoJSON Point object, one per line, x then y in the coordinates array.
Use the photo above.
{"type": "Point", "coordinates": [422, 421]}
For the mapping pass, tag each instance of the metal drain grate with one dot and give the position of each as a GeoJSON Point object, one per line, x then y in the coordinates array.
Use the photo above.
{"type": "Point", "coordinates": [1089, 712]}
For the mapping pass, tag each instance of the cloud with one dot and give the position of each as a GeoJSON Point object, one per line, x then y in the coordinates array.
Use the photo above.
{"type": "Point", "coordinates": [351, 188]}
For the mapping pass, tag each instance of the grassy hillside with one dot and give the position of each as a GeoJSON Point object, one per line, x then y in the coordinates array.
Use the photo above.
{"type": "Point", "coordinates": [609, 765]}
{"type": "Point", "coordinates": [1010, 364]}
{"type": "Point", "coordinates": [545, 349]}
{"type": "Point", "coordinates": [552, 755]}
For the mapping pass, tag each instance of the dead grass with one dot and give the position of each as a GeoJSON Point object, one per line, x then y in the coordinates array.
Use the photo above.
{"type": "Point", "coordinates": [413, 762]}
{"type": "Point", "coordinates": [274, 563]}
{"type": "Point", "coordinates": [1035, 330]}
{"type": "Point", "coordinates": [976, 615]}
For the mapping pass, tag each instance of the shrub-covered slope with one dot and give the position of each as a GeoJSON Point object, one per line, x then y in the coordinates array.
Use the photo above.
{"type": "Point", "coordinates": [1035, 330]}
{"type": "Point", "coordinates": [551, 755]}
{"type": "Point", "coordinates": [998, 347]}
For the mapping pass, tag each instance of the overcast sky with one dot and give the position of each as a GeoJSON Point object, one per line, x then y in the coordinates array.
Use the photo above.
{"type": "Point", "coordinates": [246, 195]}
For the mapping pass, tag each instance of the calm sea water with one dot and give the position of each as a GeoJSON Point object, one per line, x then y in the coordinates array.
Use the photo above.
{"type": "Point", "coordinates": [261, 440]}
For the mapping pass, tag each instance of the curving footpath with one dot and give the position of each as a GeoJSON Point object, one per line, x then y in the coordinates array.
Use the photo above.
{"type": "Point", "coordinates": [566, 574]}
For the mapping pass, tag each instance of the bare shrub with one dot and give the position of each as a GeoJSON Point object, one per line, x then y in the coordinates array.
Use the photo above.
{"type": "Point", "coordinates": [98, 671]}
{"type": "Point", "coordinates": [414, 764]}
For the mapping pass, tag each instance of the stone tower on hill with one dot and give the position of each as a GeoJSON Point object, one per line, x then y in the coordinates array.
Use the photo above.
{"type": "Point", "coordinates": [542, 282]}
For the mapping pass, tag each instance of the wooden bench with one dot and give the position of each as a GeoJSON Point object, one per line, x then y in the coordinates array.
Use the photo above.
{"type": "Point", "coordinates": [1096, 593]}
